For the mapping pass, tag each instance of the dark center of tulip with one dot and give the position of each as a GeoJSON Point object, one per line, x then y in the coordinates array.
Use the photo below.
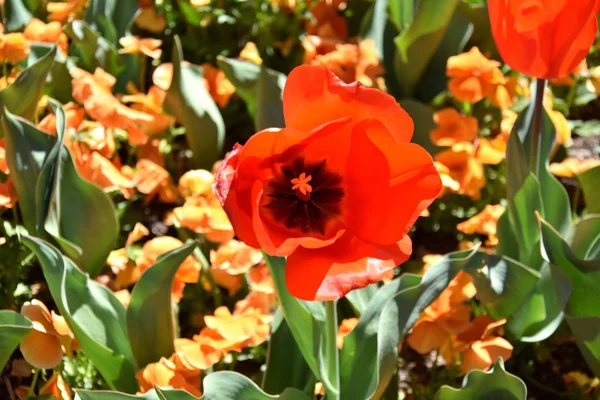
{"type": "Point", "coordinates": [305, 196]}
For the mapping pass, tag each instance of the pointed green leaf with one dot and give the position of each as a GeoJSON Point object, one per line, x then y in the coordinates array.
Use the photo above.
{"type": "Point", "coordinates": [305, 328]}
{"type": "Point", "coordinates": [234, 386]}
{"type": "Point", "coordinates": [13, 328]}
{"type": "Point", "coordinates": [497, 384]}
{"type": "Point", "coordinates": [522, 208]}
{"type": "Point", "coordinates": [17, 15]}
{"type": "Point", "coordinates": [112, 18]}
{"type": "Point", "coordinates": [360, 298]}
{"type": "Point", "coordinates": [81, 394]}
{"type": "Point", "coordinates": [189, 101]}
{"type": "Point", "coordinates": [93, 313]}
{"type": "Point", "coordinates": [21, 98]}
{"type": "Point", "coordinates": [591, 190]}
{"type": "Point", "coordinates": [173, 394]}
{"type": "Point", "coordinates": [503, 284]}
{"type": "Point", "coordinates": [585, 237]}
{"type": "Point", "coordinates": [285, 364]}
{"type": "Point", "coordinates": [508, 245]}
{"type": "Point", "coordinates": [94, 50]}
{"type": "Point", "coordinates": [150, 316]}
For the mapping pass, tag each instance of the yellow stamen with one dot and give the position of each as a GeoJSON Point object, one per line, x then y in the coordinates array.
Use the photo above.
{"type": "Point", "coordinates": [301, 183]}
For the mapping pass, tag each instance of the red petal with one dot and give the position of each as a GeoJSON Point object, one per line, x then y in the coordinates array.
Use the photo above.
{"type": "Point", "coordinates": [313, 96]}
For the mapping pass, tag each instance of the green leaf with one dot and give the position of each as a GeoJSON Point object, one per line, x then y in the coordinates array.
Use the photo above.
{"type": "Point", "coordinates": [94, 50]}
{"type": "Point", "coordinates": [591, 190]}
{"type": "Point", "coordinates": [419, 42]}
{"type": "Point", "coordinates": [26, 151]}
{"type": "Point", "coordinates": [508, 245]}
{"type": "Point", "coordinates": [305, 328]}
{"type": "Point", "coordinates": [360, 298]}
{"type": "Point", "coordinates": [585, 236]}
{"type": "Point", "coordinates": [503, 285]}
{"type": "Point", "coordinates": [522, 208]}
{"type": "Point", "coordinates": [234, 386]}
{"type": "Point", "coordinates": [402, 13]}
{"type": "Point", "coordinates": [496, 384]}
{"type": "Point", "coordinates": [286, 367]}
{"type": "Point", "coordinates": [173, 394]}
{"type": "Point", "coordinates": [13, 328]}
{"type": "Point", "coordinates": [261, 88]}
{"type": "Point", "coordinates": [111, 18]}
{"type": "Point", "coordinates": [17, 15]}
{"type": "Point", "coordinates": [21, 98]}
{"type": "Point", "coordinates": [189, 101]}
{"type": "Point", "coordinates": [93, 313]}
{"type": "Point", "coordinates": [150, 326]}
{"type": "Point", "coordinates": [81, 394]}
{"type": "Point", "coordinates": [583, 278]}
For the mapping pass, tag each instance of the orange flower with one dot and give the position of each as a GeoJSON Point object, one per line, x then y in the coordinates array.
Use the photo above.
{"type": "Point", "coordinates": [205, 216]}
{"type": "Point", "coordinates": [148, 19]}
{"type": "Point", "coordinates": [563, 130]}
{"type": "Point", "coordinates": [165, 373]}
{"type": "Point", "coordinates": [249, 328]}
{"type": "Point", "coordinates": [344, 330]}
{"type": "Point", "coordinates": [483, 223]}
{"type": "Point", "coordinates": [250, 53]}
{"type": "Point", "coordinates": [481, 349]}
{"type": "Point", "coordinates": [188, 272]}
{"type": "Point", "coordinates": [231, 261]}
{"type": "Point", "coordinates": [60, 11]}
{"type": "Point", "coordinates": [8, 195]}
{"type": "Point", "coordinates": [464, 167]}
{"type": "Point", "coordinates": [123, 296]}
{"type": "Point", "coordinates": [448, 183]}
{"type": "Point", "coordinates": [14, 48]}
{"type": "Point", "coordinates": [151, 179]}
{"type": "Point", "coordinates": [147, 46]}
{"type": "Point", "coordinates": [220, 88]}
{"type": "Point", "coordinates": [57, 387]}
{"type": "Point", "coordinates": [328, 23]}
{"type": "Point", "coordinates": [261, 301]}
{"type": "Point", "coordinates": [571, 167]}
{"type": "Point", "coordinates": [369, 66]}
{"type": "Point", "coordinates": [473, 76]}
{"type": "Point", "coordinates": [74, 116]}
{"type": "Point", "coordinates": [151, 104]}
{"type": "Point", "coordinates": [38, 31]}
{"type": "Point", "coordinates": [453, 127]}
{"type": "Point", "coordinates": [193, 356]}
{"type": "Point", "coordinates": [196, 183]}
{"type": "Point", "coordinates": [544, 38]}
{"type": "Point", "coordinates": [300, 191]}
{"type": "Point", "coordinates": [99, 170]}
{"type": "Point", "coordinates": [492, 152]}
{"type": "Point", "coordinates": [43, 346]}
{"type": "Point", "coordinates": [94, 93]}
{"type": "Point", "coordinates": [260, 279]}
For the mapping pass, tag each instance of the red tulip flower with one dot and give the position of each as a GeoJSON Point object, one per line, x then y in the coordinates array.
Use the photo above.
{"type": "Point", "coordinates": [544, 38]}
{"type": "Point", "coordinates": [336, 190]}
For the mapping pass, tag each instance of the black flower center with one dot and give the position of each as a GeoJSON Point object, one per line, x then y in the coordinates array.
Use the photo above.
{"type": "Point", "coordinates": [305, 196]}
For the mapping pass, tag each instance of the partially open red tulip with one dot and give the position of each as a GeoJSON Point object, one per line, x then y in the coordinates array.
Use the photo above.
{"type": "Point", "coordinates": [544, 38]}
{"type": "Point", "coordinates": [336, 190]}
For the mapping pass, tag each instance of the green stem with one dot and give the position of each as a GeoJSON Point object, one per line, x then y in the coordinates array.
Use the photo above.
{"type": "Point", "coordinates": [143, 69]}
{"type": "Point", "coordinates": [5, 71]}
{"type": "Point", "coordinates": [33, 383]}
{"type": "Point", "coordinates": [331, 352]}
{"type": "Point", "coordinates": [536, 142]}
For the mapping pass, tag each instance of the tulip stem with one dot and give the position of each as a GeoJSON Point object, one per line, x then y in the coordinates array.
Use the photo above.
{"type": "Point", "coordinates": [332, 380]}
{"type": "Point", "coordinates": [538, 113]}
{"type": "Point", "coordinates": [33, 383]}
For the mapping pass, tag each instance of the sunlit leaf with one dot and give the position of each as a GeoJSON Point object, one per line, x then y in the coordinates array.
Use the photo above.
{"type": "Point", "coordinates": [591, 189]}
{"type": "Point", "coordinates": [13, 328]}
{"type": "Point", "coordinates": [234, 386]}
{"type": "Point", "coordinates": [17, 15]}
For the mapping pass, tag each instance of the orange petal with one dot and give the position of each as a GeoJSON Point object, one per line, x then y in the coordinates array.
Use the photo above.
{"type": "Point", "coordinates": [484, 353]}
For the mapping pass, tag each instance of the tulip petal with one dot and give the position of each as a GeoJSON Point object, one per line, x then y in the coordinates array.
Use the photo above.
{"type": "Point", "coordinates": [313, 96]}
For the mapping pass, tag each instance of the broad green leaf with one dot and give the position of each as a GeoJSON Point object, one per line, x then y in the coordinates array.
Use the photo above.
{"type": "Point", "coordinates": [591, 190]}
{"type": "Point", "coordinates": [285, 364]}
{"type": "Point", "coordinates": [374, 24]}
{"type": "Point", "coordinates": [497, 384]}
{"type": "Point", "coordinates": [360, 298]}
{"type": "Point", "coordinates": [21, 98]}
{"type": "Point", "coordinates": [17, 15]}
{"type": "Point", "coordinates": [522, 207]}
{"type": "Point", "coordinates": [508, 245]}
{"type": "Point", "coordinates": [81, 394]}
{"type": "Point", "coordinates": [304, 326]}
{"type": "Point", "coordinates": [111, 18]}
{"type": "Point", "coordinates": [26, 151]}
{"type": "Point", "coordinates": [583, 277]}
{"type": "Point", "coordinates": [94, 50]}
{"type": "Point", "coordinates": [62, 200]}
{"type": "Point", "coordinates": [372, 345]}
{"type": "Point", "coordinates": [503, 284]}
{"type": "Point", "coordinates": [402, 13]}
{"type": "Point", "coordinates": [434, 80]}
{"type": "Point", "coordinates": [93, 313]}
{"type": "Point", "coordinates": [260, 87]}
{"type": "Point", "coordinates": [173, 394]}
{"type": "Point", "coordinates": [585, 236]}
{"type": "Point", "coordinates": [419, 42]}
{"type": "Point", "coordinates": [13, 328]}
{"type": "Point", "coordinates": [234, 386]}
{"type": "Point", "coordinates": [189, 101]}
{"type": "Point", "coordinates": [557, 208]}
{"type": "Point", "coordinates": [150, 326]}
